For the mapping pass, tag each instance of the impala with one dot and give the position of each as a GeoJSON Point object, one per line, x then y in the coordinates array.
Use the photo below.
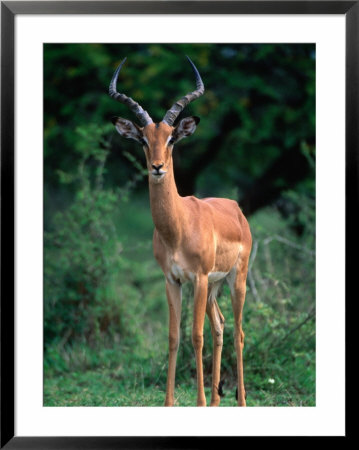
{"type": "Point", "coordinates": [202, 241]}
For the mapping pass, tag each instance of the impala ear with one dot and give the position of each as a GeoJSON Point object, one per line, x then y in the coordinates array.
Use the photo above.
{"type": "Point", "coordinates": [127, 129]}
{"type": "Point", "coordinates": [186, 127]}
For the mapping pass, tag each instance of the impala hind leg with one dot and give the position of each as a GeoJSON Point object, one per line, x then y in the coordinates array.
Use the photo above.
{"type": "Point", "coordinates": [174, 298]}
{"type": "Point", "coordinates": [217, 324]}
{"type": "Point", "coordinates": [238, 292]}
{"type": "Point", "coordinates": [200, 303]}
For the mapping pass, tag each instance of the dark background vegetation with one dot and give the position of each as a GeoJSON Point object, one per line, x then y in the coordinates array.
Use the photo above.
{"type": "Point", "coordinates": [105, 311]}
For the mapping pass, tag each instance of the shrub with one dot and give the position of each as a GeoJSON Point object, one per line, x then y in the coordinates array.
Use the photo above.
{"type": "Point", "coordinates": [83, 255]}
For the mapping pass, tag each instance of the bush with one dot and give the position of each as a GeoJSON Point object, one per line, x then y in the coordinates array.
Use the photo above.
{"type": "Point", "coordinates": [83, 256]}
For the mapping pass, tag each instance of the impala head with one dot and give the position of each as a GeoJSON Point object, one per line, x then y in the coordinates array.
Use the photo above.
{"type": "Point", "coordinates": [157, 139]}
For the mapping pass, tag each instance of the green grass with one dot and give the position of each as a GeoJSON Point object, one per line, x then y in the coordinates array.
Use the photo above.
{"type": "Point", "coordinates": [104, 388]}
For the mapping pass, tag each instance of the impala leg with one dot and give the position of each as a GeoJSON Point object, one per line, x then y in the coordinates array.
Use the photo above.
{"type": "Point", "coordinates": [200, 302]}
{"type": "Point", "coordinates": [174, 298]}
{"type": "Point", "coordinates": [217, 324]}
{"type": "Point", "coordinates": [238, 293]}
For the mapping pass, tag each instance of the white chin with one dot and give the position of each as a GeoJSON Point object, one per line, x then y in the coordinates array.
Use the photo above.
{"type": "Point", "coordinates": [157, 178]}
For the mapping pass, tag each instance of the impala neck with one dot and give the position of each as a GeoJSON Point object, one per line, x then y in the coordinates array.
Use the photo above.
{"type": "Point", "coordinates": [166, 208]}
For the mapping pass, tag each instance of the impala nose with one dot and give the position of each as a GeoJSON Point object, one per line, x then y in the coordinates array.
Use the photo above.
{"type": "Point", "coordinates": [157, 166]}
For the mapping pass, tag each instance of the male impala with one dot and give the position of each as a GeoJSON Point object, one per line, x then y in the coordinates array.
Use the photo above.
{"type": "Point", "coordinates": [202, 241]}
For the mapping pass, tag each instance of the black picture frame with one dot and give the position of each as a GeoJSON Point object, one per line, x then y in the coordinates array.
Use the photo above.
{"type": "Point", "coordinates": [9, 10]}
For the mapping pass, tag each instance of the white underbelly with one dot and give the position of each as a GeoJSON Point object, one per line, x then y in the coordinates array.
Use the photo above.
{"type": "Point", "coordinates": [179, 274]}
{"type": "Point", "coordinates": [213, 277]}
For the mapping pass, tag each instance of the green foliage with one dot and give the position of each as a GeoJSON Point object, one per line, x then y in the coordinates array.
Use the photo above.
{"type": "Point", "coordinates": [82, 254]}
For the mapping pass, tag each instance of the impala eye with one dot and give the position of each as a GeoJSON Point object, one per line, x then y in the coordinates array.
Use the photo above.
{"type": "Point", "coordinates": [143, 142]}
{"type": "Point", "coordinates": [171, 141]}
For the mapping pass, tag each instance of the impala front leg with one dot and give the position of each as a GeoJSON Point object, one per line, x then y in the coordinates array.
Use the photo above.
{"type": "Point", "coordinates": [200, 302]}
{"type": "Point", "coordinates": [174, 298]}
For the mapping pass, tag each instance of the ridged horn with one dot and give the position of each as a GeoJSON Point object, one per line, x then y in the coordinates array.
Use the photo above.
{"type": "Point", "coordinates": [172, 114]}
{"type": "Point", "coordinates": [141, 114]}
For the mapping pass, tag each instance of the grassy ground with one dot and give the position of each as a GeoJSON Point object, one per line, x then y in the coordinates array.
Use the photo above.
{"type": "Point", "coordinates": [103, 388]}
